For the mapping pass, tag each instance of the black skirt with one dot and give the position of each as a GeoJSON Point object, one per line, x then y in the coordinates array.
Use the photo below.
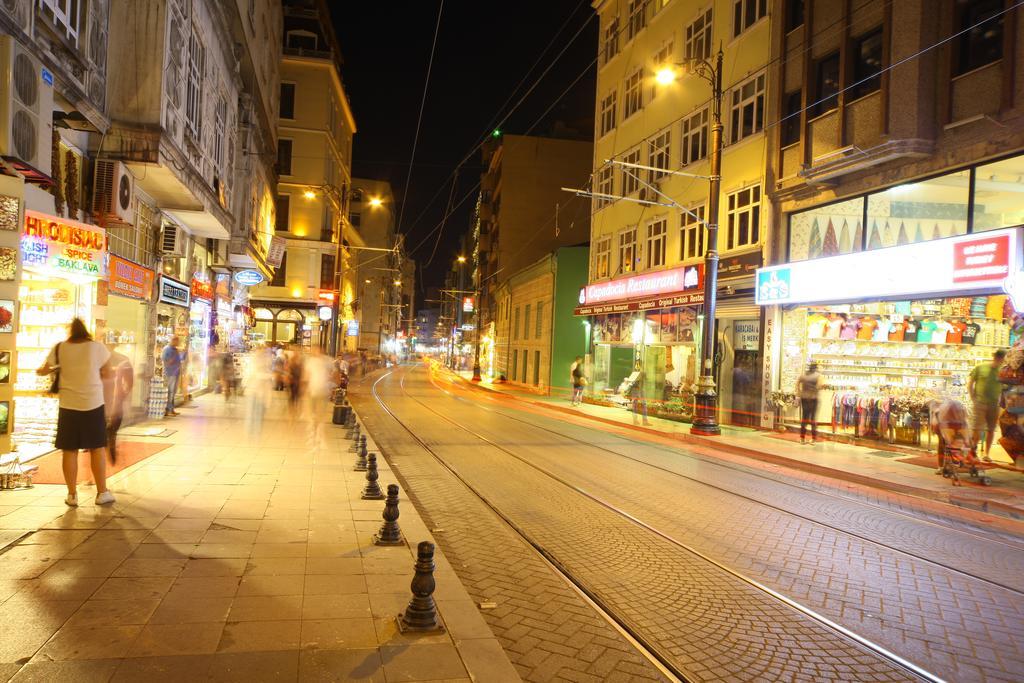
{"type": "Point", "coordinates": [80, 429]}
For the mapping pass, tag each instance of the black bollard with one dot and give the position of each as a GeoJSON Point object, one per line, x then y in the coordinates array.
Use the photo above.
{"type": "Point", "coordinates": [350, 429]}
{"type": "Point", "coordinates": [354, 446]}
{"type": "Point", "coordinates": [338, 416]}
{"type": "Point", "coordinates": [372, 489]}
{"type": "Point", "coordinates": [390, 533]}
{"type": "Point", "coordinates": [421, 614]}
{"type": "Point", "coordinates": [361, 459]}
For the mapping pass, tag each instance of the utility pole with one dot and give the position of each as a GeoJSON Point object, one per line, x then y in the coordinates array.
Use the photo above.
{"type": "Point", "coordinates": [705, 421]}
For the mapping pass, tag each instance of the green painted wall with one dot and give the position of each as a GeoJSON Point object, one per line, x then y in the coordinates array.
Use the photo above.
{"type": "Point", "coordinates": [568, 335]}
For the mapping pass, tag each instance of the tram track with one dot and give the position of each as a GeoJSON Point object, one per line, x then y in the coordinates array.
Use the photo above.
{"type": "Point", "coordinates": [647, 646]}
{"type": "Point", "coordinates": [792, 513]}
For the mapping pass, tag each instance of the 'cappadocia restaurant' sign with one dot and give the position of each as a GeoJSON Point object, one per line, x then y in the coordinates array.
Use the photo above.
{"type": "Point", "coordinates": [62, 247]}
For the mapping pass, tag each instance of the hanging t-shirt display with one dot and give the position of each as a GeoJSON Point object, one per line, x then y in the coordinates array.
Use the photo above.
{"type": "Point", "coordinates": [942, 330]}
{"type": "Point", "coordinates": [897, 330]}
{"type": "Point", "coordinates": [994, 307]}
{"type": "Point", "coordinates": [970, 334]}
{"type": "Point", "coordinates": [867, 328]}
{"type": "Point", "coordinates": [834, 327]}
{"type": "Point", "coordinates": [816, 326]}
{"type": "Point", "coordinates": [882, 330]}
{"type": "Point", "coordinates": [925, 332]}
{"type": "Point", "coordinates": [910, 334]}
{"type": "Point", "coordinates": [956, 335]}
{"type": "Point", "coordinates": [850, 328]}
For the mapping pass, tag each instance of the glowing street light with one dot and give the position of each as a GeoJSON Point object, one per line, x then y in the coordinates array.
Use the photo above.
{"type": "Point", "coordinates": [461, 259]}
{"type": "Point", "coordinates": [376, 201]}
{"type": "Point", "coordinates": [309, 194]}
{"type": "Point", "coordinates": [666, 75]}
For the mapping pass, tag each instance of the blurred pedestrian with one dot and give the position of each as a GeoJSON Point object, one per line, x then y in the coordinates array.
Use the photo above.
{"type": "Point", "coordinates": [579, 381]}
{"type": "Point", "coordinates": [117, 388]}
{"type": "Point", "coordinates": [985, 390]}
{"type": "Point", "coordinates": [807, 387]}
{"type": "Point", "coordinates": [80, 364]}
{"type": "Point", "coordinates": [171, 358]}
{"type": "Point", "coordinates": [949, 423]}
{"type": "Point", "coordinates": [278, 363]}
{"type": "Point", "coordinates": [638, 396]}
{"type": "Point", "coordinates": [259, 383]}
{"type": "Point", "coordinates": [228, 375]}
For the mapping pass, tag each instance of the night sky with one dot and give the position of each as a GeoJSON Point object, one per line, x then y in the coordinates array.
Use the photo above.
{"type": "Point", "coordinates": [483, 52]}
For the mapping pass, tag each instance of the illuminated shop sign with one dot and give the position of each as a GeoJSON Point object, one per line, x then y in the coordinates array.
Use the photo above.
{"type": "Point", "coordinates": [173, 292]}
{"type": "Point", "coordinates": [662, 282]}
{"type": "Point", "coordinates": [202, 290]}
{"type": "Point", "coordinates": [59, 246]}
{"type": "Point", "coordinates": [352, 329]}
{"type": "Point", "coordinates": [248, 278]}
{"type": "Point", "coordinates": [985, 262]}
{"type": "Point", "coordinates": [130, 279]}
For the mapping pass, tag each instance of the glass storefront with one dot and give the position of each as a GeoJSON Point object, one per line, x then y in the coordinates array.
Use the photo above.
{"type": "Point", "coordinates": [198, 345]}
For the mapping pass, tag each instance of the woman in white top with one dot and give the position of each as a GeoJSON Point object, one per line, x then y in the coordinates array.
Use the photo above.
{"type": "Point", "coordinates": [82, 364]}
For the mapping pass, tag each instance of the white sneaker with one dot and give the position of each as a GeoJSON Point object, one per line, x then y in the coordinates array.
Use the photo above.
{"type": "Point", "coordinates": [105, 498]}
{"type": "Point", "coordinates": [71, 500]}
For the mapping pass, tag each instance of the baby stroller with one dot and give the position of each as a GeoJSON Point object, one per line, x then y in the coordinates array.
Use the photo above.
{"type": "Point", "coordinates": [960, 457]}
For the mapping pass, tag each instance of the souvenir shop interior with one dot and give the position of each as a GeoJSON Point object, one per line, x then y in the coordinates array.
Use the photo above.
{"type": "Point", "coordinates": [882, 363]}
{"type": "Point", "coordinates": [48, 304]}
{"type": "Point", "coordinates": [127, 322]}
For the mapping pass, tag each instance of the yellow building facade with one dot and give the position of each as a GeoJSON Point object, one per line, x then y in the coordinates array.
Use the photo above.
{"type": "Point", "coordinates": [314, 159]}
{"type": "Point", "coordinates": [652, 110]}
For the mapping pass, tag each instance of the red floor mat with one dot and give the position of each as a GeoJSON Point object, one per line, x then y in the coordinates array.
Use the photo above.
{"type": "Point", "coordinates": [128, 453]}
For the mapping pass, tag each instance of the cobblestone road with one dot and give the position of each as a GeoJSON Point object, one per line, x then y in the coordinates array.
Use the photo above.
{"type": "Point", "coordinates": [549, 632]}
{"type": "Point", "coordinates": [712, 625]}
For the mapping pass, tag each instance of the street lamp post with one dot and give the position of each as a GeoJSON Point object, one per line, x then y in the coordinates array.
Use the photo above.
{"type": "Point", "coordinates": [705, 421]}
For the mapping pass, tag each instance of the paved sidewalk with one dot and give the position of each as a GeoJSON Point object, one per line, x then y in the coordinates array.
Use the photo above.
{"type": "Point", "coordinates": [861, 464]}
{"type": "Point", "coordinates": [228, 556]}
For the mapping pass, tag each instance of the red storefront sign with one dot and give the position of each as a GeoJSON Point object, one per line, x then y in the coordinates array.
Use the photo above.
{"type": "Point", "coordinates": [981, 259]}
{"type": "Point", "coordinates": [202, 290]}
{"type": "Point", "coordinates": [662, 282]}
{"type": "Point", "coordinates": [130, 279]}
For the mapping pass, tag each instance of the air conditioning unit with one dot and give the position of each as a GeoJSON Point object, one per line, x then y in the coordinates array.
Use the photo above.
{"type": "Point", "coordinates": [113, 192]}
{"type": "Point", "coordinates": [172, 242]}
{"type": "Point", "coordinates": [26, 107]}
{"type": "Point", "coordinates": [21, 12]}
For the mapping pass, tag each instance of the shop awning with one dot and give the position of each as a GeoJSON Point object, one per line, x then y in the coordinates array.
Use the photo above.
{"type": "Point", "coordinates": [686, 299]}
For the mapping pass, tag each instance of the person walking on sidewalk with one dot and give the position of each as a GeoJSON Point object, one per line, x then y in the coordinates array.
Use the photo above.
{"type": "Point", "coordinates": [985, 390]}
{"type": "Point", "coordinates": [807, 387]}
{"type": "Point", "coordinates": [172, 372]}
{"type": "Point", "coordinates": [81, 365]}
{"type": "Point", "coordinates": [117, 387]}
{"type": "Point", "coordinates": [578, 380]}
{"type": "Point", "coordinates": [637, 396]}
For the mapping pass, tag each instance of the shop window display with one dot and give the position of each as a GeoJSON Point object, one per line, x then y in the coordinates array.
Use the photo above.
{"type": "Point", "coordinates": [997, 197]}
{"type": "Point", "coordinates": [883, 363]}
{"type": "Point", "coordinates": [827, 231]}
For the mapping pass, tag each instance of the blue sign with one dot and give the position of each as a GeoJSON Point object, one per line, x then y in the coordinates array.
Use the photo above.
{"type": "Point", "coordinates": [353, 328]}
{"type": "Point", "coordinates": [249, 278]}
{"type": "Point", "coordinates": [774, 285]}
{"type": "Point", "coordinates": [47, 76]}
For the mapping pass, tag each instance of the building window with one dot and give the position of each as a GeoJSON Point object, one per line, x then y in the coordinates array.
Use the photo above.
{"type": "Point", "coordinates": [794, 14]}
{"type": "Point", "coordinates": [219, 122]}
{"type": "Point", "coordinates": [608, 105]}
{"type": "Point", "coordinates": [603, 257]}
{"type": "Point", "coordinates": [539, 328]}
{"type": "Point", "coordinates": [659, 154]}
{"type": "Point", "coordinates": [65, 15]}
{"type": "Point", "coordinates": [515, 325]}
{"type": "Point", "coordinates": [746, 13]}
{"type": "Point", "coordinates": [633, 94]}
{"type": "Point", "coordinates": [746, 110]}
{"type": "Point", "coordinates": [355, 218]}
{"type": "Point", "coordinates": [287, 101]}
{"type": "Point", "coordinates": [698, 37]}
{"type": "Point", "coordinates": [536, 368]}
{"type": "Point", "coordinates": [611, 39]}
{"type": "Point", "coordinates": [284, 157]}
{"type": "Point", "coordinates": [627, 250]}
{"type": "Point", "coordinates": [605, 185]}
{"type": "Point", "coordinates": [631, 176]}
{"type": "Point", "coordinates": [695, 137]}
{"type": "Point", "coordinates": [515, 364]}
{"type": "Point", "coordinates": [983, 43]}
{"type": "Point", "coordinates": [826, 84]}
{"type": "Point", "coordinates": [193, 92]}
{"type": "Point", "coordinates": [300, 40]}
{"type": "Point", "coordinates": [282, 211]}
{"type": "Point", "coordinates": [657, 233]}
{"type": "Point", "coordinates": [791, 107]}
{"type": "Point", "coordinates": [744, 218]}
{"type": "Point", "coordinates": [526, 322]}
{"type": "Point", "coordinates": [867, 64]}
{"type": "Point", "coordinates": [526, 365]}
{"type": "Point", "coordinates": [327, 271]}
{"type": "Point", "coordinates": [692, 234]}
{"type": "Point", "coordinates": [279, 273]}
{"type": "Point", "coordinates": [636, 18]}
